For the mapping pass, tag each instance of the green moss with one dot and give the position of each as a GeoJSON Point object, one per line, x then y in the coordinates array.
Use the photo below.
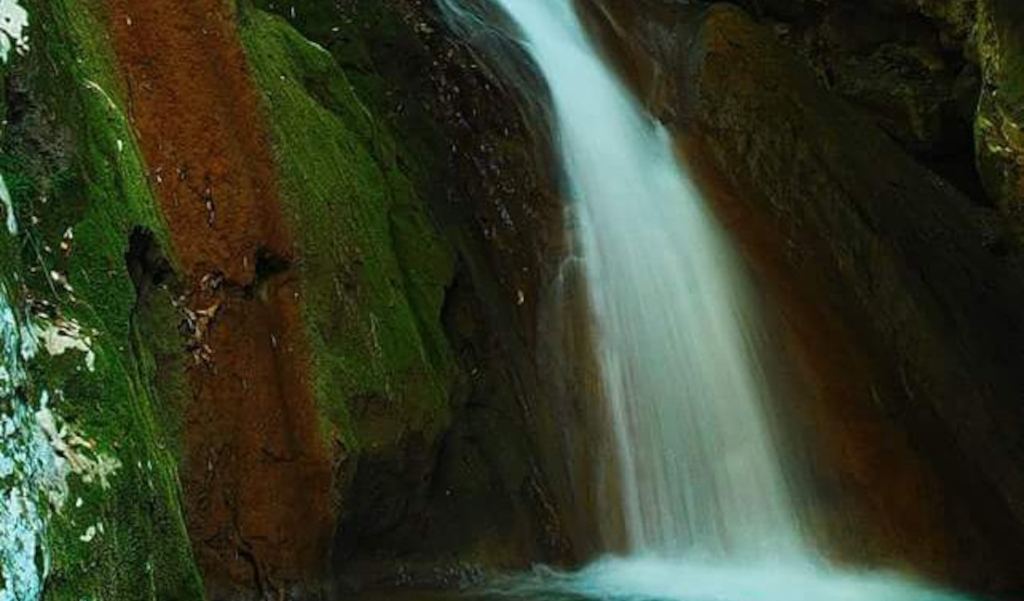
{"type": "Point", "coordinates": [373, 267]}
{"type": "Point", "coordinates": [158, 351]}
{"type": "Point", "coordinates": [999, 126]}
{"type": "Point", "coordinates": [345, 35]}
{"type": "Point", "coordinates": [76, 167]}
{"type": "Point", "coordinates": [377, 51]}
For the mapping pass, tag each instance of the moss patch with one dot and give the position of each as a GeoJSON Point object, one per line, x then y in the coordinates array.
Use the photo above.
{"type": "Point", "coordinates": [999, 127]}
{"type": "Point", "coordinates": [77, 179]}
{"type": "Point", "coordinates": [373, 268]}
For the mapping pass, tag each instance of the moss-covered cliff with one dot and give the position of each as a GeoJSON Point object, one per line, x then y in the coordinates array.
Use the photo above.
{"type": "Point", "coordinates": [475, 183]}
{"type": "Point", "coordinates": [92, 502]}
{"type": "Point", "coordinates": [278, 343]}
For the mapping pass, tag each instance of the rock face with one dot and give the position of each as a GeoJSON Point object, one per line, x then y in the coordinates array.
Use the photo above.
{"type": "Point", "coordinates": [999, 126]}
{"type": "Point", "coordinates": [473, 160]}
{"type": "Point", "coordinates": [934, 75]}
{"type": "Point", "coordinates": [887, 244]}
{"type": "Point", "coordinates": [427, 456]}
{"type": "Point", "coordinates": [256, 474]}
{"type": "Point", "coordinates": [292, 350]}
{"type": "Point", "coordinates": [898, 294]}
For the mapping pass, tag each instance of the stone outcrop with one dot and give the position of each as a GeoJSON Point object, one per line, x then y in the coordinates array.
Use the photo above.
{"type": "Point", "coordinates": [999, 124]}
{"type": "Point", "coordinates": [942, 78]}
{"type": "Point", "coordinates": [316, 336]}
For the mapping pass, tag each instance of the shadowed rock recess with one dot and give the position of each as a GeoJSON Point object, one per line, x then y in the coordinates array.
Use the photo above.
{"type": "Point", "coordinates": [286, 310]}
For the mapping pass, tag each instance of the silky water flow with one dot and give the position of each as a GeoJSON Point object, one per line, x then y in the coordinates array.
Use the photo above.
{"type": "Point", "coordinates": [702, 497]}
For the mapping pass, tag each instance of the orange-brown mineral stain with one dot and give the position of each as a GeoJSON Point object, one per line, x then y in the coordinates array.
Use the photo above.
{"type": "Point", "coordinates": [256, 474]}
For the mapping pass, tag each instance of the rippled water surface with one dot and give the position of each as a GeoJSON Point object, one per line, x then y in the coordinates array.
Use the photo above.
{"type": "Point", "coordinates": [652, 579]}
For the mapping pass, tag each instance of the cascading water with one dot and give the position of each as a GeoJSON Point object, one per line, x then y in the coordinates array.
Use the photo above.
{"type": "Point", "coordinates": [701, 491]}
{"type": "Point", "coordinates": [695, 465]}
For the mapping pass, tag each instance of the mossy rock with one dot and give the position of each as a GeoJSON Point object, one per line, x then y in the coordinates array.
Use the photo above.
{"type": "Point", "coordinates": [373, 267]}
{"type": "Point", "coordinates": [80, 190]}
{"type": "Point", "coordinates": [999, 125]}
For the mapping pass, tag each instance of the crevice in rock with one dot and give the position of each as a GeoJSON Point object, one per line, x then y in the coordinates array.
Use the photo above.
{"type": "Point", "coordinates": [147, 265]}
{"type": "Point", "coordinates": [246, 374]}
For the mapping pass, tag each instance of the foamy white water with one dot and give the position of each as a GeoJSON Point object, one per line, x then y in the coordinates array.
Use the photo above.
{"type": "Point", "coordinates": [673, 580]}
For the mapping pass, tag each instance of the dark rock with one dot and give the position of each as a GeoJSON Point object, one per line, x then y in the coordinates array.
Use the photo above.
{"type": "Point", "coordinates": [892, 250]}
{"type": "Point", "coordinates": [910, 97]}
{"type": "Point", "coordinates": [999, 127]}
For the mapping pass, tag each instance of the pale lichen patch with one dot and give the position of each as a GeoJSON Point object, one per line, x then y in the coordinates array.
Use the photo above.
{"type": "Point", "coordinates": [63, 335]}
{"type": "Point", "coordinates": [29, 472]}
{"type": "Point", "coordinates": [8, 204]}
{"type": "Point", "coordinates": [13, 25]}
{"type": "Point", "coordinates": [76, 454]}
{"type": "Point", "coordinates": [37, 451]}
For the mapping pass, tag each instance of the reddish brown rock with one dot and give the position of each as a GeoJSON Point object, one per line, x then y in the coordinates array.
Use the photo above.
{"type": "Point", "coordinates": [256, 475]}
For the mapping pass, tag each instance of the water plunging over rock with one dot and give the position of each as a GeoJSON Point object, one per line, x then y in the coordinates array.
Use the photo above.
{"type": "Point", "coordinates": [694, 461]}
{"type": "Point", "coordinates": [701, 491]}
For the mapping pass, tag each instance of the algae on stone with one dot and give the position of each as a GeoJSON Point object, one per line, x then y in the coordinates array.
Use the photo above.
{"type": "Point", "coordinates": [373, 267]}
{"type": "Point", "coordinates": [999, 124]}
{"type": "Point", "coordinates": [78, 188]}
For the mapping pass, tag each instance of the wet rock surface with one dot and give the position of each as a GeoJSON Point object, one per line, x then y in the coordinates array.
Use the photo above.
{"type": "Point", "coordinates": [479, 161]}
{"type": "Point", "coordinates": [942, 78]}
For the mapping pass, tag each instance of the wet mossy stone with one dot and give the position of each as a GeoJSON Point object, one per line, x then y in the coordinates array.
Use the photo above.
{"type": "Point", "coordinates": [999, 125]}
{"type": "Point", "coordinates": [373, 267]}
{"type": "Point", "coordinates": [79, 189]}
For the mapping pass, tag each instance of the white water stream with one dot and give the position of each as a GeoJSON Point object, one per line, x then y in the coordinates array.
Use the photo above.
{"type": "Point", "coordinates": [701, 486]}
{"type": "Point", "coordinates": [695, 465]}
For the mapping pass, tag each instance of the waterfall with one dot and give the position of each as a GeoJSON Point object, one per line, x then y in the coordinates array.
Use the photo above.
{"type": "Point", "coordinates": [696, 470]}
{"type": "Point", "coordinates": [699, 482]}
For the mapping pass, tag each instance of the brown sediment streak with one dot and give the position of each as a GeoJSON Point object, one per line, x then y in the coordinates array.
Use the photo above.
{"type": "Point", "coordinates": [256, 474]}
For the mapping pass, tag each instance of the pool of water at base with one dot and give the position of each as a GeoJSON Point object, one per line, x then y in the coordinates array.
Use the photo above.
{"type": "Point", "coordinates": [652, 579]}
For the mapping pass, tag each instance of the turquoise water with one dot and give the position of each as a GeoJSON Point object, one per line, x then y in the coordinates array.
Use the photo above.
{"type": "Point", "coordinates": [653, 579]}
